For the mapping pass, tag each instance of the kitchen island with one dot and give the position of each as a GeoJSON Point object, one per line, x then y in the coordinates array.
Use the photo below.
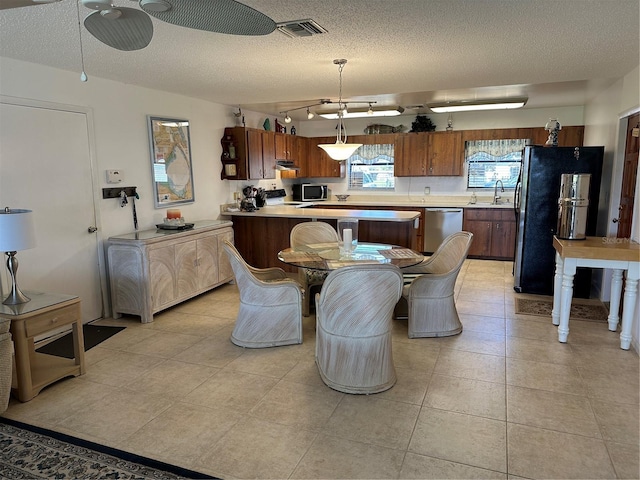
{"type": "Point", "coordinates": [261, 234]}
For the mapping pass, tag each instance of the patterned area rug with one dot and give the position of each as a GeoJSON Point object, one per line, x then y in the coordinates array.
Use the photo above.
{"type": "Point", "coordinates": [32, 452]}
{"type": "Point", "coordinates": [581, 309]}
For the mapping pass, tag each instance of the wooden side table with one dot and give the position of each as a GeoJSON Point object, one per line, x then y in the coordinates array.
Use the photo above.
{"type": "Point", "coordinates": [597, 252]}
{"type": "Point", "coordinates": [44, 313]}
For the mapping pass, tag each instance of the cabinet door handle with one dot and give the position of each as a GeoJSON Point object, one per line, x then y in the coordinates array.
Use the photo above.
{"type": "Point", "coordinates": [497, 226]}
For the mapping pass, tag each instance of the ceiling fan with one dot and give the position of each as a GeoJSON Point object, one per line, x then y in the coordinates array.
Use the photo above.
{"type": "Point", "coordinates": [127, 29]}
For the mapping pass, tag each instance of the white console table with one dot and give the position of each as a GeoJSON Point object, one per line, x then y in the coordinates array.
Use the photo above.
{"type": "Point", "coordinates": [152, 270]}
{"type": "Point", "coordinates": [597, 252]}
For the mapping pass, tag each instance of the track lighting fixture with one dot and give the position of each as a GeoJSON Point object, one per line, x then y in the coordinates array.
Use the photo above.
{"type": "Point", "coordinates": [287, 118]}
{"type": "Point", "coordinates": [310, 114]}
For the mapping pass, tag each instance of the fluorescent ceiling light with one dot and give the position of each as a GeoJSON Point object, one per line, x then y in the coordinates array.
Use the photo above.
{"type": "Point", "coordinates": [465, 106]}
{"type": "Point", "coordinates": [365, 112]}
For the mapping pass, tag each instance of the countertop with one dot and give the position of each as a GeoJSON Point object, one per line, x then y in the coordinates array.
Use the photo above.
{"type": "Point", "coordinates": [427, 201]}
{"type": "Point", "coordinates": [156, 234]}
{"type": "Point", "coordinates": [290, 211]}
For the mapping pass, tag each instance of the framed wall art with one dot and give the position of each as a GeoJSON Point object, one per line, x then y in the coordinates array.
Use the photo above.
{"type": "Point", "coordinates": [172, 173]}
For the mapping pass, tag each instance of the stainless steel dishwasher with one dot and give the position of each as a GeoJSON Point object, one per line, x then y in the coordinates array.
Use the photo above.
{"type": "Point", "coordinates": [439, 223]}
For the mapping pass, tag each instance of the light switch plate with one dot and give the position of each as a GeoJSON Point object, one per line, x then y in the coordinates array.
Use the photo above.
{"type": "Point", "coordinates": [115, 176]}
{"type": "Point", "coordinates": [427, 190]}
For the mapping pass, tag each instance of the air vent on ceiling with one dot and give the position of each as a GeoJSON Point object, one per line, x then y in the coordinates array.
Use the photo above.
{"type": "Point", "coordinates": [300, 28]}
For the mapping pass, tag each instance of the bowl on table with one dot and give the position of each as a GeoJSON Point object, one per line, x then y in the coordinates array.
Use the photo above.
{"type": "Point", "coordinates": [342, 198]}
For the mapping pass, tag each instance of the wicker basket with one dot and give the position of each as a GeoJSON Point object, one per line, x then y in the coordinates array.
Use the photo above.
{"type": "Point", "coordinates": [6, 364]}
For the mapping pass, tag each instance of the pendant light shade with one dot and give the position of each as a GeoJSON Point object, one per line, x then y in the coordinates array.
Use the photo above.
{"type": "Point", "coordinates": [341, 150]}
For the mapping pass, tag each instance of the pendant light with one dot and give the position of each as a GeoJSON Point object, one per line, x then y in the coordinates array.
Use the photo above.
{"type": "Point", "coordinates": [341, 150]}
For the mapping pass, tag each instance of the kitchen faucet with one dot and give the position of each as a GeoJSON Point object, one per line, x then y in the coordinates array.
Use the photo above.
{"type": "Point", "coordinates": [497, 197]}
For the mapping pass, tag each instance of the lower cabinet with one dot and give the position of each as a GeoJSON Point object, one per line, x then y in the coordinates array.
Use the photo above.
{"type": "Point", "coordinates": [154, 270]}
{"type": "Point", "coordinates": [494, 232]}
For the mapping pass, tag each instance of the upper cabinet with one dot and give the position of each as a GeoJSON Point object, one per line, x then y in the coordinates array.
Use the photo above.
{"type": "Point", "coordinates": [445, 154]}
{"type": "Point", "coordinates": [410, 157]}
{"type": "Point", "coordinates": [251, 154]}
{"type": "Point", "coordinates": [248, 154]}
{"type": "Point", "coordinates": [572, 136]}
{"type": "Point", "coordinates": [262, 154]}
{"type": "Point", "coordinates": [319, 164]}
{"type": "Point", "coordinates": [285, 146]}
{"type": "Point", "coordinates": [433, 153]}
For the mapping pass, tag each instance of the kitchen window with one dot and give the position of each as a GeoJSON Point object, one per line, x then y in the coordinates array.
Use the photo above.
{"type": "Point", "coordinates": [493, 160]}
{"type": "Point", "coordinates": [371, 168]}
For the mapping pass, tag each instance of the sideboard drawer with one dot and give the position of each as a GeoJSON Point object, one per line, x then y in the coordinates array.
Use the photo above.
{"type": "Point", "coordinates": [50, 320]}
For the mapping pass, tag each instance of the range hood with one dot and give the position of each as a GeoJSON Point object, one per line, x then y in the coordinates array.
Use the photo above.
{"type": "Point", "coordinates": [286, 165]}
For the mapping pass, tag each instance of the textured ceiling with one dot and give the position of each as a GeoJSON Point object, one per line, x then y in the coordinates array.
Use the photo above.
{"type": "Point", "coordinates": [405, 52]}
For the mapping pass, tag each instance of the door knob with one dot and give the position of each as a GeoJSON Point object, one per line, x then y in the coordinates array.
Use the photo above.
{"type": "Point", "coordinates": [92, 229]}
{"type": "Point", "coordinates": [615, 220]}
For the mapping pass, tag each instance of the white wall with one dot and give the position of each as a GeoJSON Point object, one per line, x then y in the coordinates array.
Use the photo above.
{"type": "Point", "coordinates": [119, 112]}
{"type": "Point", "coordinates": [605, 124]}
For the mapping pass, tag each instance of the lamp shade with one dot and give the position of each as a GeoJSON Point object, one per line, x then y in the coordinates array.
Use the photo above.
{"type": "Point", "coordinates": [17, 230]}
{"type": "Point", "coordinates": [340, 151]}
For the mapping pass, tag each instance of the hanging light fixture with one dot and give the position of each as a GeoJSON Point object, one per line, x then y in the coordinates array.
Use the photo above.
{"type": "Point", "coordinates": [472, 105]}
{"type": "Point", "coordinates": [370, 110]}
{"type": "Point", "coordinates": [287, 118]}
{"type": "Point", "coordinates": [310, 114]}
{"type": "Point", "coordinates": [341, 150]}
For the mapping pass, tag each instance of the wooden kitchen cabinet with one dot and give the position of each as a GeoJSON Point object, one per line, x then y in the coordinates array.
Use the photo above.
{"type": "Point", "coordinates": [319, 164]}
{"type": "Point", "coordinates": [445, 155]}
{"type": "Point", "coordinates": [254, 154]}
{"type": "Point", "coordinates": [262, 154]}
{"type": "Point", "coordinates": [417, 242]}
{"type": "Point", "coordinates": [291, 148]}
{"type": "Point", "coordinates": [299, 156]}
{"type": "Point", "coordinates": [285, 148]}
{"type": "Point", "coordinates": [428, 154]}
{"type": "Point", "coordinates": [410, 155]}
{"type": "Point", "coordinates": [152, 270]}
{"type": "Point", "coordinates": [570, 136]}
{"type": "Point", "coordinates": [494, 232]}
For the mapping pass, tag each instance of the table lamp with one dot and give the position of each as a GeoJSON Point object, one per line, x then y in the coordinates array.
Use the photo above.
{"type": "Point", "coordinates": [17, 232]}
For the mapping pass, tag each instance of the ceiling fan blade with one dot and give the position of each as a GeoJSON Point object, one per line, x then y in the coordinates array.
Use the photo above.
{"type": "Point", "coordinates": [220, 16]}
{"type": "Point", "coordinates": [5, 4]}
{"type": "Point", "coordinates": [133, 30]}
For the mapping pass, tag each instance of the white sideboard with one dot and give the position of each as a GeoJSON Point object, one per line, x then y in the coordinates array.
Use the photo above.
{"type": "Point", "coordinates": [152, 270]}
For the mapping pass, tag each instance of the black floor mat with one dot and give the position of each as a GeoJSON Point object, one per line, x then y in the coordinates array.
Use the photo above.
{"type": "Point", "coordinates": [93, 335]}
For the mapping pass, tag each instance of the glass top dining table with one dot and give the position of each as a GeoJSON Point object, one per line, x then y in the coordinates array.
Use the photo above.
{"type": "Point", "coordinates": [328, 256]}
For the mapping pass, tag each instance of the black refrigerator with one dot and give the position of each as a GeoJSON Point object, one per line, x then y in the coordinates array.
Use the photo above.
{"type": "Point", "coordinates": [536, 209]}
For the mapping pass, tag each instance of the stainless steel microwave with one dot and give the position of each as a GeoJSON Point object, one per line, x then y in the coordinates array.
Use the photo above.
{"type": "Point", "coordinates": [309, 192]}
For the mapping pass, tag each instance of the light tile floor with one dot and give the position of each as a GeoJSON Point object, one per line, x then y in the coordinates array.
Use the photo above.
{"type": "Point", "coordinates": [503, 399]}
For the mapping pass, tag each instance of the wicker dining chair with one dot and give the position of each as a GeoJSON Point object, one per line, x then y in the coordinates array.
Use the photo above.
{"type": "Point", "coordinates": [270, 312]}
{"type": "Point", "coordinates": [308, 233]}
{"type": "Point", "coordinates": [429, 289]}
{"type": "Point", "coordinates": [354, 314]}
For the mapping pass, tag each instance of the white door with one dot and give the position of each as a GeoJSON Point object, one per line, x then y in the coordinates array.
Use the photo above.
{"type": "Point", "coordinates": [45, 166]}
